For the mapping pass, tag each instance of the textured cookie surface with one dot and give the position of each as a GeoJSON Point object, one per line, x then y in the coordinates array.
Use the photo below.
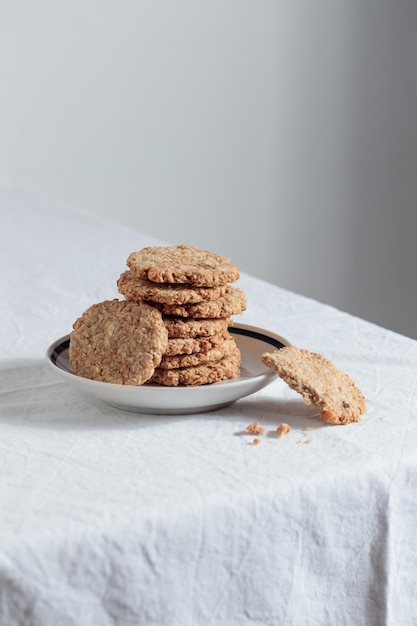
{"type": "Point", "coordinates": [189, 327]}
{"type": "Point", "coordinates": [182, 264]}
{"type": "Point", "coordinates": [232, 303]}
{"type": "Point", "coordinates": [118, 342]}
{"type": "Point", "coordinates": [189, 345]}
{"type": "Point", "coordinates": [225, 348]}
{"type": "Point", "coordinates": [319, 382]}
{"type": "Point", "coordinates": [224, 369]}
{"type": "Point", "coordinates": [138, 289]}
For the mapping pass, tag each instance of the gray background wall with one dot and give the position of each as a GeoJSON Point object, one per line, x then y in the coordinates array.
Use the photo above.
{"type": "Point", "coordinates": [282, 134]}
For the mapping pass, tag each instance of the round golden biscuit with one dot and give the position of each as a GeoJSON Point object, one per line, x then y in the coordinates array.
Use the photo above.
{"type": "Point", "coordinates": [178, 327]}
{"type": "Point", "coordinates": [182, 264]}
{"type": "Point", "coordinates": [189, 345]}
{"type": "Point", "coordinates": [118, 342]}
{"type": "Point", "coordinates": [134, 288]}
{"type": "Point", "coordinates": [226, 368]}
{"type": "Point", "coordinates": [232, 303]}
{"type": "Point", "coordinates": [225, 348]}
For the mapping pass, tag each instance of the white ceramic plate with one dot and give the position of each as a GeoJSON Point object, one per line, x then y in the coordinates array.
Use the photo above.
{"type": "Point", "coordinates": [159, 400]}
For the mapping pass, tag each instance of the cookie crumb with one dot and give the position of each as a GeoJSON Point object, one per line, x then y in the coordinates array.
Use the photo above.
{"type": "Point", "coordinates": [255, 429]}
{"type": "Point", "coordinates": [282, 430]}
{"type": "Point", "coordinates": [256, 441]}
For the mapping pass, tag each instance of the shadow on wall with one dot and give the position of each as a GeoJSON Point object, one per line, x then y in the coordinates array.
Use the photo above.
{"type": "Point", "coordinates": [383, 220]}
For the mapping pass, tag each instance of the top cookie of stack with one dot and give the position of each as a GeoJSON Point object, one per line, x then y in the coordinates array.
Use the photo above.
{"type": "Point", "coordinates": [182, 264]}
{"type": "Point", "coordinates": [191, 287]}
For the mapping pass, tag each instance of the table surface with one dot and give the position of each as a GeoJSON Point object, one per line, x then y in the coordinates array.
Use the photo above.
{"type": "Point", "coordinates": [112, 517]}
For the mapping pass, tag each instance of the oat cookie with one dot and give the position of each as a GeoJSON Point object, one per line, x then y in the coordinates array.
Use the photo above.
{"type": "Point", "coordinates": [182, 264]}
{"type": "Point", "coordinates": [118, 342]}
{"type": "Point", "coordinates": [189, 327]}
{"type": "Point", "coordinates": [225, 348]}
{"type": "Point", "coordinates": [232, 303]}
{"type": "Point", "coordinates": [319, 382]}
{"type": "Point", "coordinates": [138, 289]}
{"type": "Point", "coordinates": [224, 369]}
{"type": "Point", "coordinates": [189, 345]}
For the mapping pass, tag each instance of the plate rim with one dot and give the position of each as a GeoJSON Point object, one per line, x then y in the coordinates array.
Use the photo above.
{"type": "Point", "coordinates": [256, 332]}
{"type": "Point", "coordinates": [168, 400]}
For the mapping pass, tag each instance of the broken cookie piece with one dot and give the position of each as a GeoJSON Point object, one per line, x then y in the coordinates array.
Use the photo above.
{"type": "Point", "coordinates": [319, 382]}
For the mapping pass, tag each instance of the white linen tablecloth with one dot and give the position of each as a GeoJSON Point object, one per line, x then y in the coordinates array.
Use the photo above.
{"type": "Point", "coordinates": [115, 518]}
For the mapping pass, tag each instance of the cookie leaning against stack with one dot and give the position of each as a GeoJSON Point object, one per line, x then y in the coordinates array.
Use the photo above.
{"type": "Point", "coordinates": [118, 342]}
{"type": "Point", "coordinates": [191, 289]}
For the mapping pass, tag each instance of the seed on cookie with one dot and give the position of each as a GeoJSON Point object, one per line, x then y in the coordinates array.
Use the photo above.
{"type": "Point", "coordinates": [319, 382]}
{"type": "Point", "coordinates": [118, 342]}
{"type": "Point", "coordinates": [182, 264]}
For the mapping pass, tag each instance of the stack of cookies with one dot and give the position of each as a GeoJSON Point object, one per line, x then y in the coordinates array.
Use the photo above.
{"type": "Point", "coordinates": [192, 290]}
{"type": "Point", "coordinates": [172, 328]}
